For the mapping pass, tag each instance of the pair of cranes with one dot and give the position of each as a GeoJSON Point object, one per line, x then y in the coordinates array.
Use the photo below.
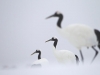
{"type": "Point", "coordinates": [79, 35]}
{"type": "Point", "coordinates": [63, 56]}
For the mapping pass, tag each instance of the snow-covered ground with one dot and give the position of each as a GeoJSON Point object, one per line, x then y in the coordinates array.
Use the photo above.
{"type": "Point", "coordinates": [85, 69]}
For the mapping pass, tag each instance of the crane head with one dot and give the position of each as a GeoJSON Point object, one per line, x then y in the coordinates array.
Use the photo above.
{"type": "Point", "coordinates": [37, 51]}
{"type": "Point", "coordinates": [52, 39]}
{"type": "Point", "coordinates": [56, 14]}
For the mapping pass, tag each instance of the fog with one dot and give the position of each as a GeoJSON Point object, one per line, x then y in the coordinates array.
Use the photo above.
{"type": "Point", "coordinates": [23, 29]}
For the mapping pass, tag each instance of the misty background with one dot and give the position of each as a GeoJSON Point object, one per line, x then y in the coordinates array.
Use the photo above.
{"type": "Point", "coordinates": [23, 28]}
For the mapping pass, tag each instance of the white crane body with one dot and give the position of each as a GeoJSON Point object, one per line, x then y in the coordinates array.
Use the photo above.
{"type": "Point", "coordinates": [79, 35]}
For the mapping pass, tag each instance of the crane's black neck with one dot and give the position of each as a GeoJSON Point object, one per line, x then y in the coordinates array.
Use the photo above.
{"type": "Point", "coordinates": [39, 55]}
{"type": "Point", "coordinates": [60, 20]}
{"type": "Point", "coordinates": [55, 43]}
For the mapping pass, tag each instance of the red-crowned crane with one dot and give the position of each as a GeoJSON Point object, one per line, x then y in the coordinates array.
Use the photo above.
{"type": "Point", "coordinates": [63, 56]}
{"type": "Point", "coordinates": [79, 35]}
{"type": "Point", "coordinates": [40, 61]}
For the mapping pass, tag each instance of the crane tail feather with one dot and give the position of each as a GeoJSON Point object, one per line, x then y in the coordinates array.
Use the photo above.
{"type": "Point", "coordinates": [99, 46]}
{"type": "Point", "coordinates": [97, 33]}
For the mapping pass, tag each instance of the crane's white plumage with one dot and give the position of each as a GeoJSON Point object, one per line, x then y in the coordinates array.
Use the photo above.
{"type": "Point", "coordinates": [63, 56]}
{"type": "Point", "coordinates": [40, 61]}
{"type": "Point", "coordinates": [79, 35]}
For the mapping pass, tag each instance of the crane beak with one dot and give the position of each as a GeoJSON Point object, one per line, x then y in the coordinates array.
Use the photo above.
{"type": "Point", "coordinates": [48, 40]}
{"type": "Point", "coordinates": [33, 53]}
{"type": "Point", "coordinates": [50, 16]}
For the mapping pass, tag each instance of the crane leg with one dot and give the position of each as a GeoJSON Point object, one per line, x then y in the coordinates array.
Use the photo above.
{"type": "Point", "coordinates": [96, 53]}
{"type": "Point", "coordinates": [82, 58]}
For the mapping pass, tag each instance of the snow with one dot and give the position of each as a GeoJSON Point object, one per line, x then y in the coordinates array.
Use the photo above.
{"type": "Point", "coordinates": [82, 69]}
